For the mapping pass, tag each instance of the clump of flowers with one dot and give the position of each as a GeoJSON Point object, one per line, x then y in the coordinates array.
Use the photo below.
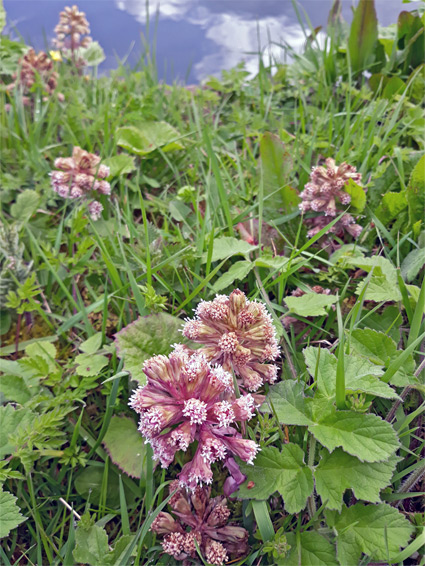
{"type": "Point", "coordinates": [81, 176]}
{"type": "Point", "coordinates": [325, 193]}
{"type": "Point", "coordinates": [207, 520]}
{"type": "Point", "coordinates": [35, 69]}
{"type": "Point", "coordinates": [186, 399]}
{"type": "Point", "coordinates": [72, 32]}
{"type": "Point", "coordinates": [239, 335]}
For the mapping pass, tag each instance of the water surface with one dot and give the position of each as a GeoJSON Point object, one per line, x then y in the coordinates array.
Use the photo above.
{"type": "Point", "coordinates": [194, 38]}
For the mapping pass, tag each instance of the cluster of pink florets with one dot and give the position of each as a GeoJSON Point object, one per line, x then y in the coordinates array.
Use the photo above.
{"type": "Point", "coordinates": [81, 176]}
{"type": "Point", "coordinates": [207, 520]}
{"type": "Point", "coordinates": [186, 399]}
{"type": "Point", "coordinates": [325, 193]}
{"type": "Point", "coordinates": [237, 334]}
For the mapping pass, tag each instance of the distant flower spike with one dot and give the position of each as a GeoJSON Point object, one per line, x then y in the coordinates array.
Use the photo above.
{"type": "Point", "coordinates": [239, 335]}
{"type": "Point", "coordinates": [35, 69]}
{"type": "Point", "coordinates": [72, 26]}
{"type": "Point", "coordinates": [207, 518]}
{"type": "Point", "coordinates": [81, 175]}
{"type": "Point", "coordinates": [186, 399]}
{"type": "Point", "coordinates": [325, 193]}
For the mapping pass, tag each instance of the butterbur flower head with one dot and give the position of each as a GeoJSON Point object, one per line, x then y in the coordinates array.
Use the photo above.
{"type": "Point", "coordinates": [326, 194]}
{"type": "Point", "coordinates": [239, 335]}
{"type": "Point", "coordinates": [72, 26]}
{"type": "Point", "coordinates": [207, 520]}
{"type": "Point", "coordinates": [327, 186]}
{"type": "Point", "coordinates": [186, 399]}
{"type": "Point", "coordinates": [35, 69]}
{"type": "Point", "coordinates": [81, 176]}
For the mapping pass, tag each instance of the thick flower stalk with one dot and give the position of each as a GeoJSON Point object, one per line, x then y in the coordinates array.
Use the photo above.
{"type": "Point", "coordinates": [81, 176]}
{"type": "Point", "coordinates": [35, 69]}
{"type": "Point", "coordinates": [72, 26]}
{"type": "Point", "coordinates": [239, 335]}
{"type": "Point", "coordinates": [186, 400]}
{"type": "Point", "coordinates": [207, 519]}
{"type": "Point", "coordinates": [326, 193]}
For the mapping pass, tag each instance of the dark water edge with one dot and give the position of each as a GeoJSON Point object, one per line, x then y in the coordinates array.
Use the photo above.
{"type": "Point", "coordinates": [193, 38]}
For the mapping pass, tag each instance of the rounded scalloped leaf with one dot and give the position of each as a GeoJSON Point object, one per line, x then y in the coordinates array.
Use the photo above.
{"type": "Point", "coordinates": [147, 336]}
{"type": "Point", "coordinates": [125, 446]}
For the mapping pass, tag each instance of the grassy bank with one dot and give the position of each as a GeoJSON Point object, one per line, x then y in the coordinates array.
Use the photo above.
{"type": "Point", "coordinates": [208, 194]}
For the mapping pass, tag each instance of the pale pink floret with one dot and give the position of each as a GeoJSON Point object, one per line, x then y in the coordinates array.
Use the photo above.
{"type": "Point", "coordinates": [216, 553]}
{"type": "Point", "coordinates": [239, 335]}
{"type": "Point", "coordinates": [95, 210]}
{"type": "Point", "coordinates": [185, 400]}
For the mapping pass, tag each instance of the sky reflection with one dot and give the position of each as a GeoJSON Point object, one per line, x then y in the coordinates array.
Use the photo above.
{"type": "Point", "coordinates": [194, 38]}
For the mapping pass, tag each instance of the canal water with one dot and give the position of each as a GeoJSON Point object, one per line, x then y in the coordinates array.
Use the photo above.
{"type": "Point", "coordinates": [193, 38]}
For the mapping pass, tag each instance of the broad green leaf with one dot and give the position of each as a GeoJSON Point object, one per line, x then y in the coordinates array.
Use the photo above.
{"type": "Point", "coordinates": [88, 484]}
{"type": "Point", "coordinates": [92, 344]}
{"type": "Point", "coordinates": [147, 137]}
{"type": "Point", "coordinates": [308, 549]}
{"type": "Point", "coordinates": [11, 420]}
{"type": "Point", "coordinates": [236, 272]}
{"type": "Point", "coordinates": [91, 545]}
{"type": "Point", "coordinates": [25, 206]}
{"type": "Point", "coordinates": [274, 262]}
{"type": "Point", "coordinates": [310, 304]}
{"type": "Point", "coordinates": [276, 164]}
{"type": "Point", "coordinates": [125, 446]}
{"type": "Point", "coordinates": [388, 322]}
{"type": "Point", "coordinates": [14, 388]}
{"type": "Point", "coordinates": [365, 436]}
{"type": "Point", "coordinates": [411, 40]}
{"type": "Point", "coordinates": [379, 289]}
{"type": "Point", "coordinates": [415, 193]}
{"type": "Point", "coordinates": [376, 530]}
{"type": "Point", "coordinates": [382, 350]}
{"type": "Point", "coordinates": [412, 264]}
{"type": "Point", "coordinates": [89, 364]}
{"type": "Point", "coordinates": [383, 285]}
{"type": "Point", "coordinates": [391, 206]}
{"type": "Point", "coordinates": [228, 246]}
{"type": "Point", "coordinates": [375, 346]}
{"type": "Point", "coordinates": [358, 195]}
{"type": "Point", "coordinates": [393, 86]}
{"type": "Point", "coordinates": [363, 36]}
{"type": "Point", "coordinates": [10, 516]}
{"type": "Point", "coordinates": [146, 337]}
{"type": "Point", "coordinates": [121, 164]}
{"type": "Point", "coordinates": [360, 374]}
{"type": "Point", "coordinates": [288, 402]}
{"type": "Point", "coordinates": [284, 472]}
{"type": "Point", "coordinates": [340, 471]}
{"type": "Point", "coordinates": [44, 350]}
{"type": "Point", "coordinates": [93, 54]}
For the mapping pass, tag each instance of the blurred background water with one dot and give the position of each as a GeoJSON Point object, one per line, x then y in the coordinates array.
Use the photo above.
{"type": "Point", "coordinates": [193, 38]}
